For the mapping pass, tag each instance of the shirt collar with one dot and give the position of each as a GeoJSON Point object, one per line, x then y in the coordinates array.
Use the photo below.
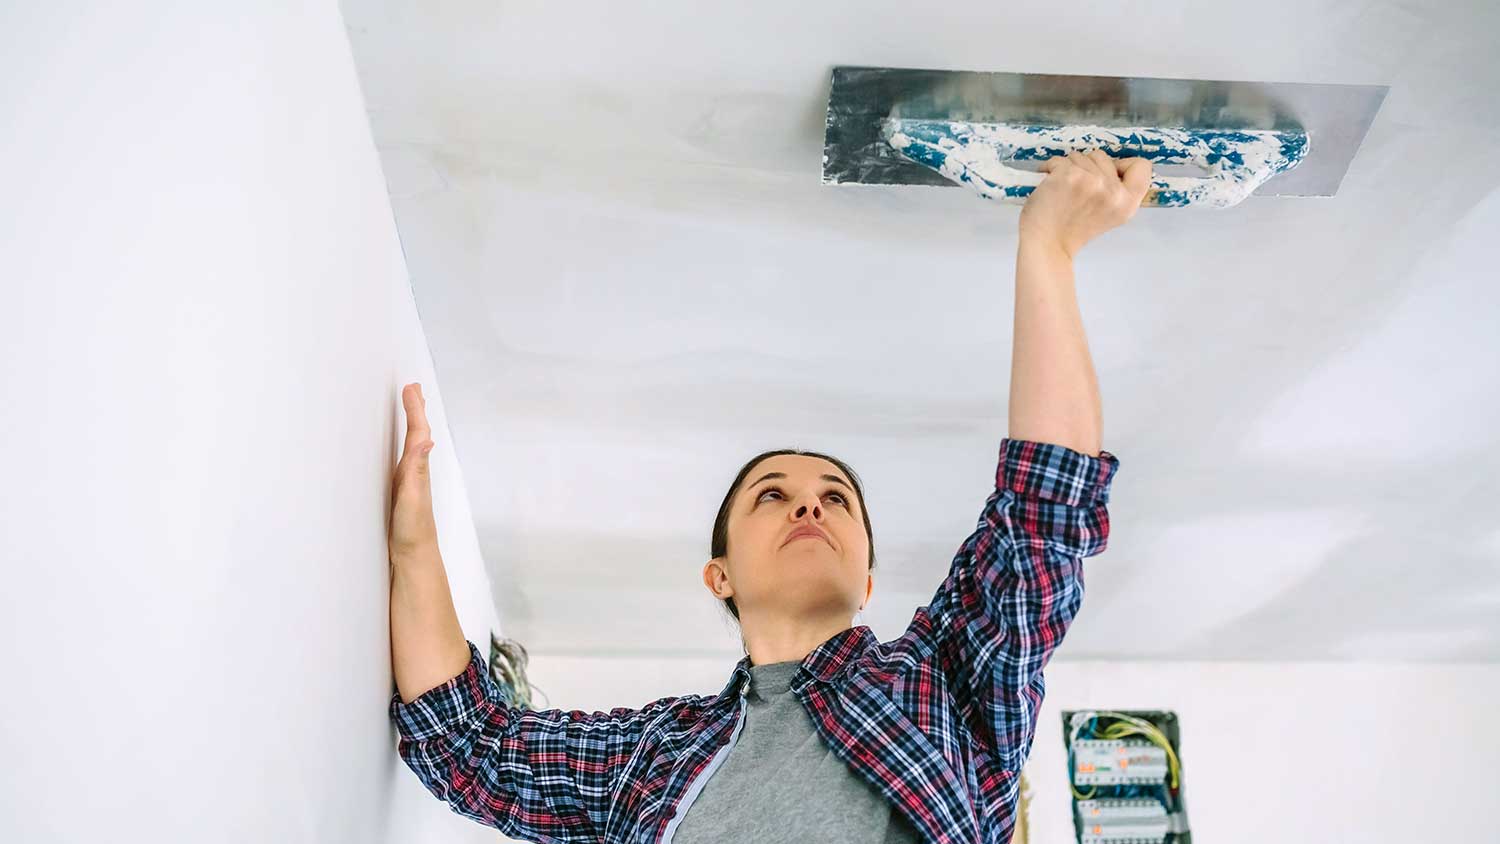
{"type": "Point", "coordinates": [824, 662]}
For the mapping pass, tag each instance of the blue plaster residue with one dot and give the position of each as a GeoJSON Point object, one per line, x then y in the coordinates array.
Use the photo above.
{"type": "Point", "coordinates": [974, 154]}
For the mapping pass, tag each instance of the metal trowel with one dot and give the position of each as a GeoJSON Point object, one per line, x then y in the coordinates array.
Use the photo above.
{"type": "Point", "coordinates": [1212, 143]}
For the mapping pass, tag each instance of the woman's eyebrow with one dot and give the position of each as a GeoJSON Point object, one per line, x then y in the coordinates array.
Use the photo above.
{"type": "Point", "coordinates": [834, 478]}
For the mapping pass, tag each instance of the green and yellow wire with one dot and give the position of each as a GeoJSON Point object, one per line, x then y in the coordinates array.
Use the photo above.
{"type": "Point", "coordinates": [1127, 725]}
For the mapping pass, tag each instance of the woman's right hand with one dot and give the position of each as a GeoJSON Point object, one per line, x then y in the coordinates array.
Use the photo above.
{"type": "Point", "coordinates": [1083, 196]}
{"type": "Point", "coordinates": [413, 529]}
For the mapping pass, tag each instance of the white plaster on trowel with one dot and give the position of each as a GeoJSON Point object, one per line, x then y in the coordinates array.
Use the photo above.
{"type": "Point", "coordinates": [976, 155]}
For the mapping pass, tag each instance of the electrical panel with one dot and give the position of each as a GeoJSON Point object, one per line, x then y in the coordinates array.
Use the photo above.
{"type": "Point", "coordinates": [1104, 762]}
{"type": "Point", "coordinates": [1117, 821]}
{"type": "Point", "coordinates": [1125, 773]}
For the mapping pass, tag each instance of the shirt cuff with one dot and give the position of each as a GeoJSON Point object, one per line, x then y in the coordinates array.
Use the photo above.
{"type": "Point", "coordinates": [1055, 472]}
{"type": "Point", "coordinates": [438, 709]}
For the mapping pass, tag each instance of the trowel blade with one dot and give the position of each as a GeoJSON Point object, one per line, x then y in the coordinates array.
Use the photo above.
{"type": "Point", "coordinates": [1335, 117]}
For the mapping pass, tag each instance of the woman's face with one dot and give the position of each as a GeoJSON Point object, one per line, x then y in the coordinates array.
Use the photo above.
{"type": "Point", "coordinates": [778, 564]}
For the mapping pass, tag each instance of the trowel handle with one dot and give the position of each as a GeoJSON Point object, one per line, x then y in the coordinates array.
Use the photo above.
{"type": "Point", "coordinates": [975, 154]}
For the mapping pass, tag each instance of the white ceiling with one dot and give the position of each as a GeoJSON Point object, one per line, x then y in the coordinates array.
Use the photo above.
{"type": "Point", "coordinates": [632, 280]}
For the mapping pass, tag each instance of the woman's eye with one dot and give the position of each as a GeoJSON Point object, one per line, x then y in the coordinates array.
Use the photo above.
{"type": "Point", "coordinates": [843, 502]}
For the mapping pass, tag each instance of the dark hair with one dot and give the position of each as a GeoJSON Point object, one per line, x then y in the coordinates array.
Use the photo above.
{"type": "Point", "coordinates": [719, 544]}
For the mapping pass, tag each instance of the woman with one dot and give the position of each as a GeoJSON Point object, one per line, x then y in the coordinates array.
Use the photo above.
{"type": "Point", "coordinates": [822, 733]}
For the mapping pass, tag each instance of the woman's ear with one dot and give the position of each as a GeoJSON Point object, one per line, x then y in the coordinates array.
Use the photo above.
{"type": "Point", "coordinates": [716, 578]}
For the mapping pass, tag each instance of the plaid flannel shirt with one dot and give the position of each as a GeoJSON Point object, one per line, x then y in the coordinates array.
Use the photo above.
{"type": "Point", "coordinates": [939, 720]}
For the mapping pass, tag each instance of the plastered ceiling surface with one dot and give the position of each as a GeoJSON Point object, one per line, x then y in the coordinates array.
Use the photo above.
{"type": "Point", "coordinates": [632, 280]}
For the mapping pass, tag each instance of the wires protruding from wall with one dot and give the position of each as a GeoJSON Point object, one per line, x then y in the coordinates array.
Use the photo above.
{"type": "Point", "coordinates": [1123, 725]}
{"type": "Point", "coordinates": [1130, 765]}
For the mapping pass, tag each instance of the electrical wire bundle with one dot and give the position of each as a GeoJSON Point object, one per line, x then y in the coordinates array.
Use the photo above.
{"type": "Point", "coordinates": [1118, 725]}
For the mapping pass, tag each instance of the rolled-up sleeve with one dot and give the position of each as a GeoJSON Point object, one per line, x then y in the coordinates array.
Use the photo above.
{"type": "Point", "coordinates": [456, 702]}
{"type": "Point", "coordinates": [545, 775]}
{"type": "Point", "coordinates": [1014, 588]}
{"type": "Point", "coordinates": [1060, 495]}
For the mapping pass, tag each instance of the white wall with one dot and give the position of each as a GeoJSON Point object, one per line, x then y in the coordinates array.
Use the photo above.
{"type": "Point", "coordinates": [205, 328]}
{"type": "Point", "coordinates": [1364, 752]}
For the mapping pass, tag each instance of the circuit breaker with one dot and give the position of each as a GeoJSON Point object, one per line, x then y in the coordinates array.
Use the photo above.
{"type": "Point", "coordinates": [1125, 773]}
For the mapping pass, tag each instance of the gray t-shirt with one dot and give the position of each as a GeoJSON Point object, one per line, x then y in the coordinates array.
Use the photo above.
{"type": "Point", "coordinates": [781, 782]}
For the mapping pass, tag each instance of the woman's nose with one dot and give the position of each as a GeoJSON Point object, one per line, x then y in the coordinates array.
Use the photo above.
{"type": "Point", "coordinates": [802, 509]}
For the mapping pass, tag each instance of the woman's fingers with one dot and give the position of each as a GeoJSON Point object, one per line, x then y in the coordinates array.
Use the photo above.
{"type": "Point", "coordinates": [417, 430]}
{"type": "Point", "coordinates": [418, 435]}
{"type": "Point", "coordinates": [1136, 174]}
{"type": "Point", "coordinates": [1121, 168]}
{"type": "Point", "coordinates": [1103, 164]}
{"type": "Point", "coordinates": [1128, 178]}
{"type": "Point", "coordinates": [416, 407]}
{"type": "Point", "coordinates": [1098, 161]}
{"type": "Point", "coordinates": [1081, 161]}
{"type": "Point", "coordinates": [412, 526]}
